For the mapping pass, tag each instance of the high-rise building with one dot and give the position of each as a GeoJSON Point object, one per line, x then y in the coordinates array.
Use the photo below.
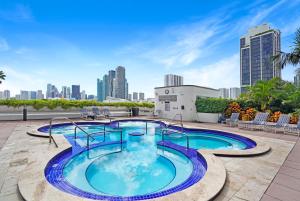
{"type": "Point", "coordinates": [52, 91]}
{"type": "Point", "coordinates": [114, 85]}
{"type": "Point", "coordinates": [83, 95]}
{"type": "Point", "coordinates": [110, 82]}
{"type": "Point", "coordinates": [130, 97]}
{"type": "Point", "coordinates": [256, 50]}
{"type": "Point", "coordinates": [235, 92]}
{"type": "Point", "coordinates": [64, 92]}
{"type": "Point", "coordinates": [173, 80]}
{"type": "Point", "coordinates": [134, 96]}
{"type": "Point", "coordinates": [141, 96]}
{"type": "Point", "coordinates": [33, 95]}
{"type": "Point", "coordinates": [1, 95]}
{"type": "Point", "coordinates": [24, 95]}
{"type": "Point", "coordinates": [68, 93]}
{"type": "Point", "coordinates": [6, 94]}
{"type": "Point", "coordinates": [91, 97]}
{"type": "Point", "coordinates": [40, 94]}
{"type": "Point", "coordinates": [105, 88]}
{"type": "Point", "coordinates": [100, 90]}
{"type": "Point", "coordinates": [297, 79]}
{"type": "Point", "coordinates": [224, 92]}
{"type": "Point", "coordinates": [76, 92]}
{"type": "Point", "coordinates": [119, 84]}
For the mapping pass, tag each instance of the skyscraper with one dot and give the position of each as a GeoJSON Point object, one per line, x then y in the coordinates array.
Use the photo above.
{"type": "Point", "coordinates": [119, 87]}
{"type": "Point", "coordinates": [6, 94]}
{"type": "Point", "coordinates": [24, 95]}
{"type": "Point", "coordinates": [130, 97]}
{"type": "Point", "coordinates": [76, 92]}
{"type": "Point", "coordinates": [52, 91]}
{"type": "Point", "coordinates": [100, 90]}
{"type": "Point", "coordinates": [114, 84]}
{"type": "Point", "coordinates": [256, 50]}
{"type": "Point", "coordinates": [173, 80]}
{"type": "Point", "coordinates": [134, 96]}
{"type": "Point", "coordinates": [141, 96]}
{"type": "Point", "coordinates": [83, 95]}
{"type": "Point", "coordinates": [40, 94]}
{"type": "Point", "coordinates": [224, 92]}
{"type": "Point", "coordinates": [64, 92]}
{"type": "Point", "coordinates": [68, 93]}
{"type": "Point", "coordinates": [33, 95]}
{"type": "Point", "coordinates": [110, 81]}
{"type": "Point", "coordinates": [235, 92]}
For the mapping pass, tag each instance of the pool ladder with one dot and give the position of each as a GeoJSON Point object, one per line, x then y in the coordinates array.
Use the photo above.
{"type": "Point", "coordinates": [178, 133]}
{"type": "Point", "coordinates": [89, 135]}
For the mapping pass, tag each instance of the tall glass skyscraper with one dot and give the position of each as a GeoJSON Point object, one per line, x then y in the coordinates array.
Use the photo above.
{"type": "Point", "coordinates": [256, 50]}
{"type": "Point", "coordinates": [113, 84]}
{"type": "Point", "coordinates": [76, 92]}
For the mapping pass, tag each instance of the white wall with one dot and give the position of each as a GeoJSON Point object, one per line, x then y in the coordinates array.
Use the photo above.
{"type": "Point", "coordinates": [186, 96]}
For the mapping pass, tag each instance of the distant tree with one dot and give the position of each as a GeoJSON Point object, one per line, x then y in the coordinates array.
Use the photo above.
{"type": "Point", "coordinates": [292, 57]}
{"type": "Point", "coordinates": [2, 76]}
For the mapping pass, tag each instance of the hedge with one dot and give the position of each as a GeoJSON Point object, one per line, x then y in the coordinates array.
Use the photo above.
{"type": "Point", "coordinates": [65, 104]}
{"type": "Point", "coordinates": [211, 105]}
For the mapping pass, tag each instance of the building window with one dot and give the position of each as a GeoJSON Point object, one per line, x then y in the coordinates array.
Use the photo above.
{"type": "Point", "coordinates": [167, 106]}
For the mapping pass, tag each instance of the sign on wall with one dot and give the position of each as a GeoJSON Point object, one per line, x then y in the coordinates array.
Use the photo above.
{"type": "Point", "coordinates": [172, 98]}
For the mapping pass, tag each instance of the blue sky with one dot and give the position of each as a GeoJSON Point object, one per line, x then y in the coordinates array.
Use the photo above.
{"type": "Point", "coordinates": [66, 42]}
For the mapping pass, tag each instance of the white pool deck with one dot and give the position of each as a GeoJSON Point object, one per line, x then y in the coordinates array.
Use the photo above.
{"type": "Point", "coordinates": [247, 178]}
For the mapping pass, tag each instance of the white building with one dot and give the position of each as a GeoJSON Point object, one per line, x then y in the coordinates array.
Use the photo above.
{"type": "Point", "coordinates": [40, 94]}
{"type": "Point", "coordinates": [235, 92]}
{"type": "Point", "coordinates": [170, 101]}
{"type": "Point", "coordinates": [6, 94]}
{"type": "Point", "coordinates": [224, 93]}
{"type": "Point", "coordinates": [141, 96]}
{"type": "Point", "coordinates": [134, 96]}
{"type": "Point", "coordinates": [1, 95]}
{"type": "Point", "coordinates": [173, 80]}
{"type": "Point", "coordinates": [83, 95]}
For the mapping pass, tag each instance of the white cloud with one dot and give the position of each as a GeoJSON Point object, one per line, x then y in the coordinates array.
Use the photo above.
{"type": "Point", "coordinates": [17, 80]}
{"type": "Point", "coordinates": [224, 73]}
{"type": "Point", "coordinates": [3, 45]}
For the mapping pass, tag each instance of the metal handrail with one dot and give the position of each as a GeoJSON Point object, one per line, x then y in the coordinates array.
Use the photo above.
{"type": "Point", "coordinates": [72, 122]}
{"type": "Point", "coordinates": [176, 124]}
{"type": "Point", "coordinates": [177, 132]}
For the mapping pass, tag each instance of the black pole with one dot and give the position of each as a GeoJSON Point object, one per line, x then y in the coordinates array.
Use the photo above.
{"type": "Point", "coordinates": [24, 113]}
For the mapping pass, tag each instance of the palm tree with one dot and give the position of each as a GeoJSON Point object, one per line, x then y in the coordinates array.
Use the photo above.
{"type": "Point", "coordinates": [292, 57]}
{"type": "Point", "coordinates": [2, 76]}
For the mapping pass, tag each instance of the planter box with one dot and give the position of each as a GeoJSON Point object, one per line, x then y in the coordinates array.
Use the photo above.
{"type": "Point", "coordinates": [208, 117]}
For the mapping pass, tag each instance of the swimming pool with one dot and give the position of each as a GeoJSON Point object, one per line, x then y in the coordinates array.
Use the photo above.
{"type": "Point", "coordinates": [141, 166]}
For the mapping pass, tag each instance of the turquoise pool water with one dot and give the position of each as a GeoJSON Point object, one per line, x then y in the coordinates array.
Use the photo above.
{"type": "Point", "coordinates": [139, 168]}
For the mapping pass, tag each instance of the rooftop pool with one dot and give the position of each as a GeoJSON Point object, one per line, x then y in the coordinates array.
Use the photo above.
{"type": "Point", "coordinates": [133, 160]}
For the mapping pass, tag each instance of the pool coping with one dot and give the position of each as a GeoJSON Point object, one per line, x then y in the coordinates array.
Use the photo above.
{"type": "Point", "coordinates": [33, 185]}
{"type": "Point", "coordinates": [260, 148]}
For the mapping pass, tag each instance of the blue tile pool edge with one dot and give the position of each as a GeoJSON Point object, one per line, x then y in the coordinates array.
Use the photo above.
{"type": "Point", "coordinates": [54, 174]}
{"type": "Point", "coordinates": [247, 141]}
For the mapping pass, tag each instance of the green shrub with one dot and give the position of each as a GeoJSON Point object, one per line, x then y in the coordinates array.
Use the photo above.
{"type": "Point", "coordinates": [66, 104]}
{"type": "Point", "coordinates": [211, 105]}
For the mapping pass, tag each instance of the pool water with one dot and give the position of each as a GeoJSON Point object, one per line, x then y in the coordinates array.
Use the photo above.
{"type": "Point", "coordinates": [141, 167]}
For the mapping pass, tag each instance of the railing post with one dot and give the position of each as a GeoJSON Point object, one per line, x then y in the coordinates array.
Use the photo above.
{"type": "Point", "coordinates": [146, 127]}
{"type": "Point", "coordinates": [121, 139]}
{"type": "Point", "coordinates": [75, 132]}
{"type": "Point", "coordinates": [88, 142]}
{"type": "Point", "coordinates": [187, 142]}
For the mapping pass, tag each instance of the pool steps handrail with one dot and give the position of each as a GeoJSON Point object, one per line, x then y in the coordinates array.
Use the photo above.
{"type": "Point", "coordinates": [89, 135]}
{"type": "Point", "coordinates": [176, 123]}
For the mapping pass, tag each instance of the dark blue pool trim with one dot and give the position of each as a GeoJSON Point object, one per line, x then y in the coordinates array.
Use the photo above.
{"type": "Point", "coordinates": [54, 174]}
{"type": "Point", "coordinates": [248, 142]}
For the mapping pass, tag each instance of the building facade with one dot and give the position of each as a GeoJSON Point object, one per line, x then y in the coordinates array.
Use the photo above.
{"type": "Point", "coordinates": [224, 92]}
{"type": "Point", "coordinates": [114, 84]}
{"type": "Point", "coordinates": [76, 92]}
{"type": "Point", "coordinates": [173, 80]}
{"type": "Point", "coordinates": [256, 50]}
{"type": "Point", "coordinates": [234, 92]}
{"type": "Point", "coordinates": [170, 101]}
{"type": "Point", "coordinates": [134, 96]}
{"type": "Point", "coordinates": [6, 94]}
{"type": "Point", "coordinates": [141, 96]}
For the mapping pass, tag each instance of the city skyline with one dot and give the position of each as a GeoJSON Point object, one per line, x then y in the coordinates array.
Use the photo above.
{"type": "Point", "coordinates": [38, 48]}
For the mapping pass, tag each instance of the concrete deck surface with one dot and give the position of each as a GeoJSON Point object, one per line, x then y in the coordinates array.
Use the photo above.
{"type": "Point", "coordinates": [273, 176]}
